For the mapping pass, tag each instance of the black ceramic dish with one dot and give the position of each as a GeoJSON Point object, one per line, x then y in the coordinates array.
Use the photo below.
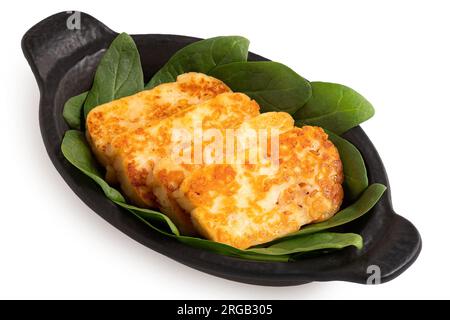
{"type": "Point", "coordinates": [64, 62]}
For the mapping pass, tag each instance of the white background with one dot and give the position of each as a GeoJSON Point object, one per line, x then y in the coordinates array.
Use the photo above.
{"type": "Point", "coordinates": [396, 53]}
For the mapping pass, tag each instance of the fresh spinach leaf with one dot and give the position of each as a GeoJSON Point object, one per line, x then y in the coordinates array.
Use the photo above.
{"type": "Point", "coordinates": [150, 214]}
{"type": "Point", "coordinates": [76, 151]}
{"type": "Point", "coordinates": [273, 85]}
{"type": "Point", "coordinates": [221, 248]}
{"type": "Point", "coordinates": [355, 174]}
{"type": "Point", "coordinates": [366, 202]}
{"type": "Point", "coordinates": [334, 107]}
{"type": "Point", "coordinates": [202, 56]}
{"type": "Point", "coordinates": [311, 242]}
{"type": "Point", "coordinates": [73, 109]}
{"type": "Point", "coordinates": [118, 74]}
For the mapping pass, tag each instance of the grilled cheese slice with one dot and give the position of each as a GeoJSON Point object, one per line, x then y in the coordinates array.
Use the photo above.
{"type": "Point", "coordinates": [145, 161]}
{"type": "Point", "coordinates": [243, 205]}
{"type": "Point", "coordinates": [107, 122]}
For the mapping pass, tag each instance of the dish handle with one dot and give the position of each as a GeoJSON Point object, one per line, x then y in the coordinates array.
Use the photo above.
{"type": "Point", "coordinates": [394, 253]}
{"type": "Point", "coordinates": [73, 35]}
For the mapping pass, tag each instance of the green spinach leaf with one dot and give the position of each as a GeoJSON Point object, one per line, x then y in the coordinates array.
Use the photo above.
{"type": "Point", "coordinates": [334, 107]}
{"type": "Point", "coordinates": [73, 109]}
{"type": "Point", "coordinates": [118, 74]}
{"type": "Point", "coordinates": [202, 56]}
{"type": "Point", "coordinates": [150, 214]}
{"type": "Point", "coordinates": [77, 152]}
{"type": "Point", "coordinates": [221, 248]}
{"type": "Point", "coordinates": [311, 242]}
{"type": "Point", "coordinates": [273, 85]}
{"type": "Point", "coordinates": [355, 174]}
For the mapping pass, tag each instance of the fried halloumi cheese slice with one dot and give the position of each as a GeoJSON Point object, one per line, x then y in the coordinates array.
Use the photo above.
{"type": "Point", "coordinates": [169, 174]}
{"type": "Point", "coordinates": [243, 205]}
{"type": "Point", "coordinates": [144, 149]}
{"type": "Point", "coordinates": [121, 117]}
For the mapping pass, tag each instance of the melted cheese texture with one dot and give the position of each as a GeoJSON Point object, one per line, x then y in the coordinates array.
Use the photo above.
{"type": "Point", "coordinates": [240, 203]}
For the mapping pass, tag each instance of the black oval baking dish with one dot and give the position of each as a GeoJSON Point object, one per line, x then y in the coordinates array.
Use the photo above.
{"type": "Point", "coordinates": [64, 61]}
